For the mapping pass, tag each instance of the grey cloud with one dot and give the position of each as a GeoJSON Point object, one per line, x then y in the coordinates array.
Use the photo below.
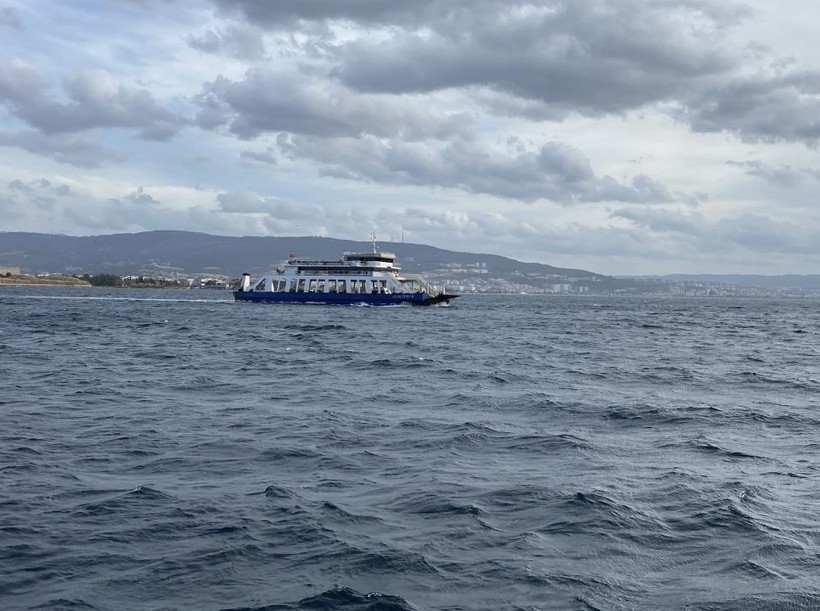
{"type": "Point", "coordinates": [275, 215]}
{"type": "Point", "coordinates": [213, 111]}
{"type": "Point", "coordinates": [35, 194]}
{"type": "Point", "coordinates": [195, 160]}
{"type": "Point", "coordinates": [110, 218]}
{"type": "Point", "coordinates": [94, 102]}
{"type": "Point", "coordinates": [783, 108]}
{"type": "Point", "coordinates": [43, 202]}
{"type": "Point", "coordinates": [136, 210]}
{"type": "Point", "coordinates": [237, 40]}
{"type": "Point", "coordinates": [782, 176]}
{"type": "Point", "coordinates": [721, 13]}
{"type": "Point", "coordinates": [641, 189]}
{"type": "Point", "coordinates": [123, 214]}
{"type": "Point", "coordinates": [20, 83]}
{"type": "Point", "coordinates": [556, 172]}
{"type": "Point", "coordinates": [548, 59]}
{"type": "Point", "coordinates": [685, 237]}
{"type": "Point", "coordinates": [437, 14]}
{"type": "Point", "coordinates": [589, 57]}
{"type": "Point", "coordinates": [10, 208]}
{"type": "Point", "coordinates": [19, 185]}
{"type": "Point", "coordinates": [210, 42]}
{"type": "Point", "coordinates": [51, 205]}
{"type": "Point", "coordinates": [751, 233]}
{"type": "Point", "coordinates": [266, 157]}
{"type": "Point", "coordinates": [241, 202]}
{"type": "Point", "coordinates": [268, 101]}
{"type": "Point", "coordinates": [138, 198]}
{"type": "Point", "coordinates": [501, 104]}
{"type": "Point", "coordinates": [538, 237]}
{"type": "Point", "coordinates": [283, 14]}
{"type": "Point", "coordinates": [759, 233]}
{"type": "Point", "coordinates": [10, 18]}
{"type": "Point", "coordinates": [41, 186]}
{"type": "Point", "coordinates": [564, 161]}
{"type": "Point", "coordinates": [64, 148]}
{"type": "Point", "coordinates": [663, 220]}
{"type": "Point", "coordinates": [507, 233]}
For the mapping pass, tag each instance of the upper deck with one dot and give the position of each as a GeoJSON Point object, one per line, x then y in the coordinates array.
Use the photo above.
{"type": "Point", "coordinates": [383, 256]}
{"type": "Point", "coordinates": [353, 263]}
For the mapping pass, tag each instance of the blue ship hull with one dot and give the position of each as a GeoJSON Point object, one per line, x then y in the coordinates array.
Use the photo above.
{"type": "Point", "coordinates": [376, 299]}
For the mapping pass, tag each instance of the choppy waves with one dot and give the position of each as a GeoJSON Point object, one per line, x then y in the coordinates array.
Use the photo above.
{"type": "Point", "coordinates": [506, 453]}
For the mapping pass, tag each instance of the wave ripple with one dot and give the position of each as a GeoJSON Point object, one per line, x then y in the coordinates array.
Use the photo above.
{"type": "Point", "coordinates": [509, 452]}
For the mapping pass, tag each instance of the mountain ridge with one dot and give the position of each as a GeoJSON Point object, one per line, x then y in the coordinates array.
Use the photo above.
{"type": "Point", "coordinates": [195, 252]}
{"type": "Point", "coordinates": [163, 253]}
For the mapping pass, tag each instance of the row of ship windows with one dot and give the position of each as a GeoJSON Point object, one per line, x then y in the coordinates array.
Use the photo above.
{"type": "Point", "coordinates": [322, 285]}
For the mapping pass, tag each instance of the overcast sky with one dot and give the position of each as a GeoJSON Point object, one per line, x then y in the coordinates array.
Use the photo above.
{"type": "Point", "coordinates": [620, 136]}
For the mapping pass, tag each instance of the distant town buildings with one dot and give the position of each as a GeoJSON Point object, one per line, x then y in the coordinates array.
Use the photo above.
{"type": "Point", "coordinates": [475, 277]}
{"type": "Point", "coordinates": [479, 278]}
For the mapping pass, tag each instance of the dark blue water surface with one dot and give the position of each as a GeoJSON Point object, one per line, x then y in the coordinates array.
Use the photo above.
{"type": "Point", "coordinates": [175, 450]}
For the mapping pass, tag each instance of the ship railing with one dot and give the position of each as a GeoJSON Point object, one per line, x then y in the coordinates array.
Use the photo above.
{"type": "Point", "coordinates": [415, 283]}
{"type": "Point", "coordinates": [315, 262]}
{"type": "Point", "coordinates": [333, 273]}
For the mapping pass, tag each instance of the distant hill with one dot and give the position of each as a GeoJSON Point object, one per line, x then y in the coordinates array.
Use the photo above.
{"type": "Point", "coordinates": [155, 252]}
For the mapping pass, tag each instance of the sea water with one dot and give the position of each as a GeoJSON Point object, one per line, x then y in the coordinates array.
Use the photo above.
{"type": "Point", "coordinates": [176, 450]}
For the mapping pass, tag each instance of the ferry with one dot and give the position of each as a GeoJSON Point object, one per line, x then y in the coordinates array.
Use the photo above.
{"type": "Point", "coordinates": [370, 278]}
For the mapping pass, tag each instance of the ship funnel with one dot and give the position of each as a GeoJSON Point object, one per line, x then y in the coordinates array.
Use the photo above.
{"type": "Point", "coordinates": [246, 282]}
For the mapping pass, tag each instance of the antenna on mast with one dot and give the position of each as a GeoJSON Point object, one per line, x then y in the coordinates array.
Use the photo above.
{"type": "Point", "coordinates": [373, 240]}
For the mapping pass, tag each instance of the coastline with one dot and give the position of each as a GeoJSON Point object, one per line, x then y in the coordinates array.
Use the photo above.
{"type": "Point", "coordinates": [24, 280]}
